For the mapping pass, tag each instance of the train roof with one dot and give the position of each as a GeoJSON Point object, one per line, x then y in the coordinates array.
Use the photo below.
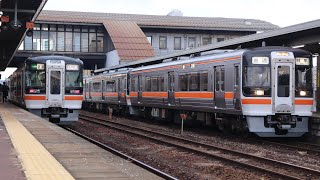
{"type": "Point", "coordinates": [65, 58]}
{"type": "Point", "coordinates": [194, 59]}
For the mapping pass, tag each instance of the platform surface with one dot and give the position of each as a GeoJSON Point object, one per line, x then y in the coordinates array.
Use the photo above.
{"type": "Point", "coordinates": [47, 151]}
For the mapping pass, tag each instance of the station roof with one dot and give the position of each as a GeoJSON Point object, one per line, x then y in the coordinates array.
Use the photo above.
{"type": "Point", "coordinates": [307, 34]}
{"type": "Point", "coordinates": [156, 21]}
{"type": "Point", "coordinates": [129, 40]}
{"type": "Point", "coordinates": [11, 36]}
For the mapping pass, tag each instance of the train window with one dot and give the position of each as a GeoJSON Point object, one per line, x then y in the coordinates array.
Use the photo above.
{"type": "Point", "coordinates": [35, 81]}
{"type": "Point", "coordinates": [283, 81]}
{"type": "Point", "coordinates": [222, 79]}
{"type": "Point", "coordinates": [303, 82]}
{"type": "Point", "coordinates": [110, 86]}
{"type": "Point", "coordinates": [55, 79]}
{"type": "Point", "coordinates": [183, 82]}
{"type": "Point", "coordinates": [161, 83]}
{"type": "Point", "coordinates": [73, 79]}
{"type": "Point", "coordinates": [204, 81]}
{"type": "Point", "coordinates": [154, 84]}
{"type": "Point", "coordinates": [216, 78]}
{"type": "Point", "coordinates": [194, 82]}
{"type": "Point", "coordinates": [97, 87]}
{"type": "Point", "coordinates": [148, 84]}
{"type": "Point", "coordinates": [236, 76]}
{"type": "Point", "coordinates": [256, 78]}
{"type": "Point", "coordinates": [133, 84]}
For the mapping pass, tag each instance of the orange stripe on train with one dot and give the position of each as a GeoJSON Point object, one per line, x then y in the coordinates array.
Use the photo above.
{"type": "Point", "coordinates": [303, 101]}
{"type": "Point", "coordinates": [35, 98]}
{"type": "Point", "coordinates": [228, 95]}
{"type": "Point", "coordinates": [155, 94]}
{"type": "Point", "coordinates": [256, 101]}
{"type": "Point", "coordinates": [73, 98]}
{"type": "Point", "coordinates": [193, 94]}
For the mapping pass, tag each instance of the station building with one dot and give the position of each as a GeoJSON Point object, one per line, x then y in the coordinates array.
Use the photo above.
{"type": "Point", "coordinates": [107, 39]}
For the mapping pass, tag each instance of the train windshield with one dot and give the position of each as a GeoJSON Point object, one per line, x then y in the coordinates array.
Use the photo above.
{"type": "Point", "coordinates": [35, 80]}
{"type": "Point", "coordinates": [256, 79]}
{"type": "Point", "coordinates": [303, 81]}
{"type": "Point", "coordinates": [74, 82]}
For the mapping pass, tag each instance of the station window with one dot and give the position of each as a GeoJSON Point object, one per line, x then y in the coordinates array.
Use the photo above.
{"type": "Point", "coordinates": [162, 42]}
{"type": "Point", "coordinates": [177, 43]}
{"type": "Point", "coordinates": [220, 39]}
{"type": "Point", "coordinates": [206, 40]}
{"type": "Point", "coordinates": [149, 39]}
{"type": "Point", "coordinates": [191, 42]}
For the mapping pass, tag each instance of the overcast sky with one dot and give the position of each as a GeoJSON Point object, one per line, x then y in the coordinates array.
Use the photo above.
{"type": "Point", "coordinates": [279, 12]}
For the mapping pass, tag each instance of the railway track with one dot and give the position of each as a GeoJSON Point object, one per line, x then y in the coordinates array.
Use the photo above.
{"type": "Point", "coordinates": [122, 155]}
{"type": "Point", "coordinates": [257, 163]}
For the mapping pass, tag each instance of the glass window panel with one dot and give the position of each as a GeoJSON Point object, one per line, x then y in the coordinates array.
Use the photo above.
{"type": "Point", "coordinates": [148, 84]}
{"type": "Point", "coordinates": [206, 40]}
{"type": "Point", "coordinates": [53, 27]}
{"type": "Point", "coordinates": [36, 27]}
{"type": "Point", "coordinates": [84, 42]}
{"type": "Point", "coordinates": [183, 82]}
{"type": "Point", "coordinates": [162, 42]}
{"type": "Point", "coordinates": [36, 40]}
{"type": "Point", "coordinates": [84, 29]}
{"type": "Point", "coordinates": [76, 42]}
{"type": "Point", "coordinates": [68, 41]}
{"type": "Point", "coordinates": [177, 43]}
{"type": "Point", "coordinates": [216, 78]}
{"type": "Point", "coordinates": [222, 79]}
{"type": "Point", "coordinates": [161, 83]}
{"type": "Point", "coordinates": [92, 42]}
{"type": "Point", "coordinates": [220, 39]}
{"type": "Point", "coordinates": [283, 81]}
{"type": "Point", "coordinates": [154, 84]}
{"type": "Point", "coordinates": [53, 41]}
{"type": "Point", "coordinates": [76, 28]}
{"type": "Point", "coordinates": [60, 27]}
{"type": "Point", "coordinates": [191, 42]}
{"type": "Point", "coordinates": [44, 27]}
{"type": "Point", "coordinates": [68, 28]}
{"type": "Point", "coordinates": [55, 79]}
{"type": "Point", "coordinates": [60, 44]}
{"type": "Point", "coordinates": [204, 81]}
{"type": "Point", "coordinates": [44, 41]}
{"type": "Point", "coordinates": [100, 44]}
{"type": "Point", "coordinates": [28, 43]}
{"type": "Point", "coordinates": [92, 29]}
{"type": "Point", "coordinates": [100, 29]}
{"type": "Point", "coordinates": [149, 39]}
{"type": "Point", "coordinates": [194, 82]}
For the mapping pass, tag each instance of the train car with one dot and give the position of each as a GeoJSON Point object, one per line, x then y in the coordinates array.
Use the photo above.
{"type": "Point", "coordinates": [106, 90]}
{"type": "Point", "coordinates": [267, 90]}
{"type": "Point", "coordinates": [49, 86]}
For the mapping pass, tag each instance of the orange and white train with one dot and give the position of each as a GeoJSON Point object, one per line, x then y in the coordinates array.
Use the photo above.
{"type": "Point", "coordinates": [49, 86]}
{"type": "Point", "coordinates": [267, 91]}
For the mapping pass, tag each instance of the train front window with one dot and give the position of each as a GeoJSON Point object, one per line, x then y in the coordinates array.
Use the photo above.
{"type": "Point", "coordinates": [74, 82]}
{"type": "Point", "coordinates": [256, 81]}
{"type": "Point", "coordinates": [35, 82]}
{"type": "Point", "coordinates": [303, 81]}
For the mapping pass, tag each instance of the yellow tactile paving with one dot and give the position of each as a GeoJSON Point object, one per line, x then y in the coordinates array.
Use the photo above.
{"type": "Point", "coordinates": [37, 162]}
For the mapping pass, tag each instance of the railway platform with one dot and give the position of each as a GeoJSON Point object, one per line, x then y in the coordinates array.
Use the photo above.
{"type": "Point", "coordinates": [33, 148]}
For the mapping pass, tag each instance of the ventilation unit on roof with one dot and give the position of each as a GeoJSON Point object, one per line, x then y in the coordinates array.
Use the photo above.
{"type": "Point", "coordinates": [175, 12]}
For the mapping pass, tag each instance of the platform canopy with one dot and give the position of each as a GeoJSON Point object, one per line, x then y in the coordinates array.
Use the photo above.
{"type": "Point", "coordinates": [16, 16]}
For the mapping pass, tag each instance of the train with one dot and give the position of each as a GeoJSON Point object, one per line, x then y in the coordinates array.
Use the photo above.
{"type": "Point", "coordinates": [267, 91]}
{"type": "Point", "coordinates": [50, 87]}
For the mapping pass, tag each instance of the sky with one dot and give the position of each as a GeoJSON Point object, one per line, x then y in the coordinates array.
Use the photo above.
{"type": "Point", "coordinates": [279, 12]}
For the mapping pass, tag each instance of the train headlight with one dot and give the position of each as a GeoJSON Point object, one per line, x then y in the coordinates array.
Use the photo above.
{"type": "Point", "coordinates": [72, 67]}
{"type": "Point", "coordinates": [303, 93]}
{"type": "Point", "coordinates": [302, 61]}
{"type": "Point", "coordinates": [259, 92]}
{"type": "Point", "coordinates": [260, 60]}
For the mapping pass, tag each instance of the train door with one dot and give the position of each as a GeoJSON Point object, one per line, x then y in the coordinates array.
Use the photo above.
{"type": "Point", "coordinates": [236, 89]}
{"type": "Point", "coordinates": [55, 87]}
{"type": "Point", "coordinates": [139, 88]}
{"type": "Point", "coordinates": [219, 86]}
{"type": "Point", "coordinates": [283, 91]}
{"type": "Point", "coordinates": [171, 88]}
